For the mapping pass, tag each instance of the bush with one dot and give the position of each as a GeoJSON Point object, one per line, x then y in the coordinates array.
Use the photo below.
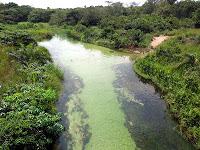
{"type": "Point", "coordinates": [135, 37]}
{"type": "Point", "coordinates": [15, 38]}
{"type": "Point", "coordinates": [174, 68]}
{"type": "Point", "coordinates": [80, 28]}
{"type": "Point", "coordinates": [196, 18]}
{"type": "Point", "coordinates": [91, 34]}
{"type": "Point", "coordinates": [73, 34]}
{"type": "Point", "coordinates": [27, 115]}
{"type": "Point", "coordinates": [31, 54]}
{"type": "Point", "coordinates": [39, 15]}
{"type": "Point", "coordinates": [25, 25]}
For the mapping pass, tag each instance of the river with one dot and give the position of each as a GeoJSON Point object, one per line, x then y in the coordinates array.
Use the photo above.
{"type": "Point", "coordinates": [105, 105]}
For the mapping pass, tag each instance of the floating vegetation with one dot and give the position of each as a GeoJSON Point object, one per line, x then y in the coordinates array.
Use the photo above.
{"type": "Point", "coordinates": [78, 127]}
{"type": "Point", "coordinates": [123, 92]}
{"type": "Point", "coordinates": [97, 98]}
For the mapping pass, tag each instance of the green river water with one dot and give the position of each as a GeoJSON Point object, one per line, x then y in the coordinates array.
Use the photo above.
{"type": "Point", "coordinates": [105, 106]}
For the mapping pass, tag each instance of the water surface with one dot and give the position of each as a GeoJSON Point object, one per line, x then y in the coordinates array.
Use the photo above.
{"type": "Point", "coordinates": [105, 105]}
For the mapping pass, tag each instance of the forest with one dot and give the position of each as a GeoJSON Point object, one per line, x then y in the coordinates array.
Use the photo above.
{"type": "Point", "coordinates": [30, 84]}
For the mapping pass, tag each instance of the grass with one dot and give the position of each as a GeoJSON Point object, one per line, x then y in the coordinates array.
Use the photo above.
{"type": "Point", "coordinates": [7, 70]}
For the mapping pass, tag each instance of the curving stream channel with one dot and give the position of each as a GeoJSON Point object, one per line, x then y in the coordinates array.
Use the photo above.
{"type": "Point", "coordinates": [105, 106]}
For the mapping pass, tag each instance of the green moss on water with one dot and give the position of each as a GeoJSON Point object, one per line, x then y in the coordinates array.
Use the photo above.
{"type": "Point", "coordinates": [106, 119]}
{"type": "Point", "coordinates": [98, 99]}
{"type": "Point", "coordinates": [77, 122]}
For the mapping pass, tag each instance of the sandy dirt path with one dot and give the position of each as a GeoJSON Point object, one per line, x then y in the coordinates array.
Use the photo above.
{"type": "Point", "coordinates": [158, 40]}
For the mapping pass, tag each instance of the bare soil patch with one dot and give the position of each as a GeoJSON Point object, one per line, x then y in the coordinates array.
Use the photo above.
{"type": "Point", "coordinates": [158, 40]}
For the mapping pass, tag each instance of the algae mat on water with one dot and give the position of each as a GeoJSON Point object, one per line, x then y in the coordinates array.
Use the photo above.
{"type": "Point", "coordinates": [106, 119]}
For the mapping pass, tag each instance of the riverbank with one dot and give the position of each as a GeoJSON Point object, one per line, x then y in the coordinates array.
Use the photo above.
{"type": "Point", "coordinates": [30, 85]}
{"type": "Point", "coordinates": [109, 37]}
{"type": "Point", "coordinates": [33, 73]}
{"type": "Point", "coordinates": [192, 134]}
{"type": "Point", "coordinates": [173, 67]}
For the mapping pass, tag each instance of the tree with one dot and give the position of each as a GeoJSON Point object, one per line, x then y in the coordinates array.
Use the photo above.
{"type": "Point", "coordinates": [23, 12]}
{"type": "Point", "coordinates": [184, 9]}
{"type": "Point", "coordinates": [91, 17]}
{"type": "Point", "coordinates": [196, 18]}
{"type": "Point", "coordinates": [116, 9]}
{"type": "Point", "coordinates": [72, 17]}
{"type": "Point", "coordinates": [39, 15]}
{"type": "Point", "coordinates": [11, 13]}
{"type": "Point", "coordinates": [171, 2]}
{"type": "Point", "coordinates": [58, 17]}
{"type": "Point", "coordinates": [11, 5]}
{"type": "Point", "coordinates": [149, 6]}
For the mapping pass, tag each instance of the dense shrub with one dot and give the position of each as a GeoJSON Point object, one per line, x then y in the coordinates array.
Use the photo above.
{"type": "Point", "coordinates": [174, 68]}
{"type": "Point", "coordinates": [15, 38]}
{"type": "Point", "coordinates": [80, 28]}
{"type": "Point", "coordinates": [39, 15]}
{"type": "Point", "coordinates": [31, 54]}
{"type": "Point", "coordinates": [28, 117]}
{"type": "Point", "coordinates": [135, 37]}
{"type": "Point", "coordinates": [126, 31]}
{"type": "Point", "coordinates": [25, 25]}
{"type": "Point", "coordinates": [91, 34]}
{"type": "Point", "coordinates": [12, 13]}
{"type": "Point", "coordinates": [196, 18]}
{"type": "Point", "coordinates": [27, 114]}
{"type": "Point", "coordinates": [58, 17]}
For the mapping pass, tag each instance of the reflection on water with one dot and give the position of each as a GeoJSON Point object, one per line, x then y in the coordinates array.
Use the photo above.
{"type": "Point", "coordinates": [105, 105]}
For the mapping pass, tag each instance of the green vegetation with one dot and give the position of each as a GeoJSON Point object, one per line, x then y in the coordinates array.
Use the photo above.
{"type": "Point", "coordinates": [30, 86]}
{"type": "Point", "coordinates": [113, 26]}
{"type": "Point", "coordinates": [117, 27]}
{"type": "Point", "coordinates": [126, 31]}
{"type": "Point", "coordinates": [196, 17]}
{"type": "Point", "coordinates": [174, 68]}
